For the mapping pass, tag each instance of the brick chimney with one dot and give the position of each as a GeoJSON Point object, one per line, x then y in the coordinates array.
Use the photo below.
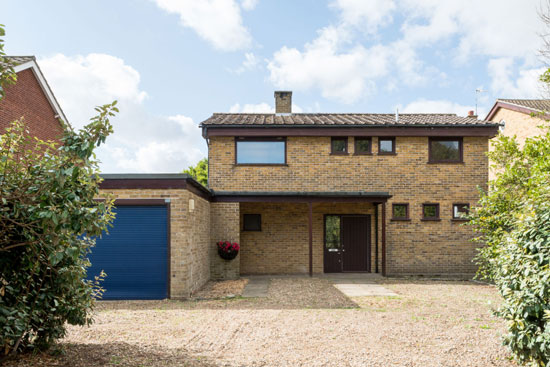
{"type": "Point", "coordinates": [471, 114]}
{"type": "Point", "coordinates": [283, 102]}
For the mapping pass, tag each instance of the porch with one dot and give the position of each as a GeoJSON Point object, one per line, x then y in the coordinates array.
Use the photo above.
{"type": "Point", "coordinates": [304, 233]}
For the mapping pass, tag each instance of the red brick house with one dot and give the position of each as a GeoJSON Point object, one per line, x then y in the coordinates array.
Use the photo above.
{"type": "Point", "coordinates": [31, 98]}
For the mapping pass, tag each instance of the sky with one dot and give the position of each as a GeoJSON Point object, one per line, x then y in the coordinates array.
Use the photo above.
{"type": "Point", "coordinates": [172, 63]}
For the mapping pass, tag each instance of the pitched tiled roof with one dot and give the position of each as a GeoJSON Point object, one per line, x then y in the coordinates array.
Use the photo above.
{"type": "Point", "coordinates": [18, 60]}
{"type": "Point", "coordinates": [338, 119]}
{"type": "Point", "coordinates": [533, 104]}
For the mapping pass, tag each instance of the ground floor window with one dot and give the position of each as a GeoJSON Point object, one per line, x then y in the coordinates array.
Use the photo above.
{"type": "Point", "coordinates": [430, 211]}
{"type": "Point", "coordinates": [252, 222]}
{"type": "Point", "coordinates": [460, 211]}
{"type": "Point", "coordinates": [400, 211]}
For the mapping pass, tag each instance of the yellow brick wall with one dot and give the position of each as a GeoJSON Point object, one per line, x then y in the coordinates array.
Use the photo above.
{"type": "Point", "coordinates": [224, 219]}
{"type": "Point", "coordinates": [189, 236]}
{"type": "Point", "coordinates": [518, 124]}
{"type": "Point", "coordinates": [412, 247]}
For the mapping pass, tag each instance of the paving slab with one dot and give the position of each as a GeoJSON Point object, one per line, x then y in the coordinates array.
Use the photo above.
{"type": "Point", "coordinates": [257, 287]}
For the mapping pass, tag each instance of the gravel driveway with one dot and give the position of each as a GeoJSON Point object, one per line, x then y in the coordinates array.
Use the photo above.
{"type": "Point", "coordinates": [303, 322]}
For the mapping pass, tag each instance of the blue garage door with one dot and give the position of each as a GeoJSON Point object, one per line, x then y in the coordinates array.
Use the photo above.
{"type": "Point", "coordinates": [134, 254]}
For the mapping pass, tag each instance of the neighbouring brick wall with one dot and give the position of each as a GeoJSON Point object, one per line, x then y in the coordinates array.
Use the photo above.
{"type": "Point", "coordinates": [189, 235]}
{"type": "Point", "coordinates": [412, 247]}
{"type": "Point", "coordinates": [224, 226]}
{"type": "Point", "coordinates": [26, 99]}
{"type": "Point", "coordinates": [518, 124]}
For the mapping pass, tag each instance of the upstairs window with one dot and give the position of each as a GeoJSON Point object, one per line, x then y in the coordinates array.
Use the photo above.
{"type": "Point", "coordinates": [386, 146]}
{"type": "Point", "coordinates": [445, 150]}
{"type": "Point", "coordinates": [260, 151]}
{"type": "Point", "coordinates": [339, 145]}
{"type": "Point", "coordinates": [363, 146]}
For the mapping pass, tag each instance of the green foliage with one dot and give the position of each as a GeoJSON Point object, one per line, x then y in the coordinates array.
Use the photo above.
{"type": "Point", "coordinates": [513, 220]}
{"type": "Point", "coordinates": [47, 218]}
{"type": "Point", "coordinates": [7, 74]}
{"type": "Point", "coordinates": [199, 172]}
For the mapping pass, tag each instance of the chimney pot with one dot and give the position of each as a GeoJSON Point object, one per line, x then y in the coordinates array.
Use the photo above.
{"type": "Point", "coordinates": [283, 102]}
{"type": "Point", "coordinates": [471, 114]}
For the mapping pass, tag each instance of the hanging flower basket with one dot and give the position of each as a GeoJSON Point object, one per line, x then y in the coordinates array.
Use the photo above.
{"type": "Point", "coordinates": [228, 250]}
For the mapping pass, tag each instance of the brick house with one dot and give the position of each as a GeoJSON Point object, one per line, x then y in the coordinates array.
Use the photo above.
{"type": "Point", "coordinates": [31, 98]}
{"type": "Point", "coordinates": [518, 117]}
{"type": "Point", "coordinates": [314, 193]}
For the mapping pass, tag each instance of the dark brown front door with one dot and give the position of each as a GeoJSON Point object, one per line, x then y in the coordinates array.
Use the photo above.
{"type": "Point", "coordinates": [355, 243]}
{"type": "Point", "coordinates": [347, 243]}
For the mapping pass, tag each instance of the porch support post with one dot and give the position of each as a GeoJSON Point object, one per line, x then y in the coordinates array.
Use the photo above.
{"type": "Point", "coordinates": [384, 239]}
{"type": "Point", "coordinates": [376, 237]}
{"type": "Point", "coordinates": [310, 228]}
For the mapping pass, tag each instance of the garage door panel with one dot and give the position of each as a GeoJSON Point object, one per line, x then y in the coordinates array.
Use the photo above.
{"type": "Point", "coordinates": [134, 254]}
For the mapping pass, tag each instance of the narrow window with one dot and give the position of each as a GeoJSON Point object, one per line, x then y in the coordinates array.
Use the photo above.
{"type": "Point", "coordinates": [264, 151]}
{"type": "Point", "coordinates": [339, 145]}
{"type": "Point", "coordinates": [386, 146]}
{"type": "Point", "coordinates": [445, 150]}
{"type": "Point", "coordinates": [400, 211]}
{"type": "Point", "coordinates": [332, 233]}
{"type": "Point", "coordinates": [460, 211]}
{"type": "Point", "coordinates": [430, 211]}
{"type": "Point", "coordinates": [363, 146]}
{"type": "Point", "coordinates": [252, 222]}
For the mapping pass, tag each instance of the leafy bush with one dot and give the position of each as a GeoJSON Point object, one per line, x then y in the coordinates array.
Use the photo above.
{"type": "Point", "coordinates": [47, 213]}
{"type": "Point", "coordinates": [513, 219]}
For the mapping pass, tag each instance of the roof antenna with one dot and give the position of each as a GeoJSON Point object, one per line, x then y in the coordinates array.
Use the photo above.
{"type": "Point", "coordinates": [478, 91]}
{"type": "Point", "coordinates": [396, 114]}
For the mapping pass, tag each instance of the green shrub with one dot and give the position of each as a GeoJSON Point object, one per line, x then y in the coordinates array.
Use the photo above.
{"type": "Point", "coordinates": [47, 212]}
{"type": "Point", "coordinates": [513, 220]}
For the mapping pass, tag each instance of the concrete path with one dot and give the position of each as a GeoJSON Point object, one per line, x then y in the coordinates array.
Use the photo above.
{"type": "Point", "coordinates": [359, 285]}
{"type": "Point", "coordinates": [256, 287]}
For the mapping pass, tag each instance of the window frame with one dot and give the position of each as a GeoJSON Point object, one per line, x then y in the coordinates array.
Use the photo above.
{"type": "Point", "coordinates": [460, 140]}
{"type": "Point", "coordinates": [252, 230]}
{"type": "Point", "coordinates": [407, 213]}
{"type": "Point", "coordinates": [260, 139]}
{"type": "Point", "coordinates": [437, 212]}
{"type": "Point", "coordinates": [459, 219]}
{"type": "Point", "coordinates": [392, 139]}
{"type": "Point", "coordinates": [358, 138]}
{"type": "Point", "coordinates": [332, 138]}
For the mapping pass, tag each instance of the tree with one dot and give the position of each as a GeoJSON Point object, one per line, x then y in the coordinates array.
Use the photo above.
{"type": "Point", "coordinates": [513, 220]}
{"type": "Point", "coordinates": [48, 219]}
{"type": "Point", "coordinates": [199, 172]}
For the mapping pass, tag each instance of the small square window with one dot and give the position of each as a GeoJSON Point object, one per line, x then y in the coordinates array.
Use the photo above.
{"type": "Point", "coordinates": [460, 211]}
{"type": "Point", "coordinates": [339, 145]}
{"type": "Point", "coordinates": [363, 146]}
{"type": "Point", "coordinates": [386, 146]}
{"type": "Point", "coordinates": [252, 222]}
{"type": "Point", "coordinates": [400, 211]}
{"type": "Point", "coordinates": [430, 211]}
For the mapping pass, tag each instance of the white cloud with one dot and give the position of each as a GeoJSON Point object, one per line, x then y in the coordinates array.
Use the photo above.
{"type": "Point", "coordinates": [259, 108]}
{"type": "Point", "coordinates": [367, 15]}
{"type": "Point", "coordinates": [217, 21]}
{"type": "Point", "coordinates": [249, 4]}
{"type": "Point", "coordinates": [250, 62]}
{"type": "Point", "coordinates": [345, 75]}
{"type": "Point", "coordinates": [142, 142]}
{"type": "Point", "coordinates": [438, 106]}
{"type": "Point", "coordinates": [505, 84]}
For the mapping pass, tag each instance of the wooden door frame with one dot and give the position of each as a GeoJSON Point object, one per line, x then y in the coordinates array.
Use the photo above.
{"type": "Point", "coordinates": [369, 244]}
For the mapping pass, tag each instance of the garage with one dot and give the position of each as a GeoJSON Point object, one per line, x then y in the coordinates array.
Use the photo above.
{"type": "Point", "coordinates": [134, 254]}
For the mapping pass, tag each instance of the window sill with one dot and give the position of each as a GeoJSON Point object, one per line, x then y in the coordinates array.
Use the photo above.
{"type": "Point", "coordinates": [431, 219]}
{"type": "Point", "coordinates": [387, 153]}
{"type": "Point", "coordinates": [459, 220]}
{"type": "Point", "coordinates": [437, 162]}
{"type": "Point", "coordinates": [251, 230]}
{"type": "Point", "coordinates": [260, 165]}
{"type": "Point", "coordinates": [339, 153]}
{"type": "Point", "coordinates": [400, 219]}
{"type": "Point", "coordinates": [362, 153]}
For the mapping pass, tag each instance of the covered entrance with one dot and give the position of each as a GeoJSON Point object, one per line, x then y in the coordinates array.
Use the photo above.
{"type": "Point", "coordinates": [347, 243]}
